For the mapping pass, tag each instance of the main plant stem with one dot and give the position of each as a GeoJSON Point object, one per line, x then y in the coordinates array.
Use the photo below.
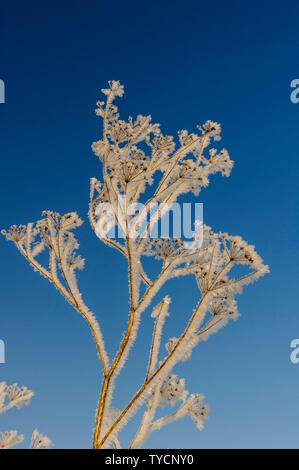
{"type": "Point", "coordinates": [124, 343]}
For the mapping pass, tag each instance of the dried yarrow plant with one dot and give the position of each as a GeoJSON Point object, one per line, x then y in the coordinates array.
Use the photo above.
{"type": "Point", "coordinates": [131, 153]}
{"type": "Point", "coordinates": [14, 396]}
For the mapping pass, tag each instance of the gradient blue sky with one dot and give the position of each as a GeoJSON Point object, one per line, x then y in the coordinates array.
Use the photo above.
{"type": "Point", "coordinates": [183, 63]}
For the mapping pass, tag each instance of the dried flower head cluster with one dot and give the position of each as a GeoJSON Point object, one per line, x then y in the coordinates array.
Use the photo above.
{"type": "Point", "coordinates": [172, 391]}
{"type": "Point", "coordinates": [133, 154]}
{"type": "Point", "coordinates": [10, 396]}
{"type": "Point", "coordinates": [128, 168]}
{"type": "Point", "coordinates": [198, 411]}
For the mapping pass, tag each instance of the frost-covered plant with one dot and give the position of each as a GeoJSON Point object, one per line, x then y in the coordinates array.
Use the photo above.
{"type": "Point", "coordinates": [131, 153]}
{"type": "Point", "coordinates": [10, 396]}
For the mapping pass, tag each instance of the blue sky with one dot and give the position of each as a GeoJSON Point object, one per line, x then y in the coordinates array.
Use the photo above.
{"type": "Point", "coordinates": [183, 63]}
